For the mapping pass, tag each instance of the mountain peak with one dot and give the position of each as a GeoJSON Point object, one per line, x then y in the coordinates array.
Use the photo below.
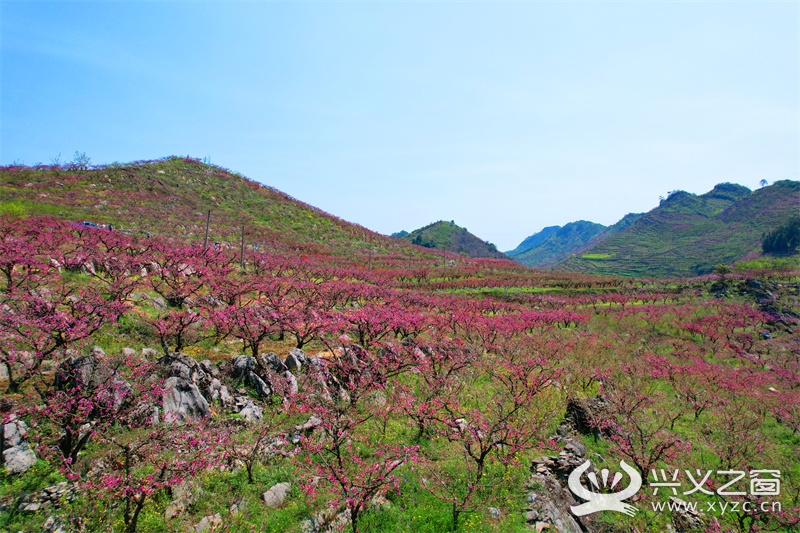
{"type": "Point", "coordinates": [448, 236]}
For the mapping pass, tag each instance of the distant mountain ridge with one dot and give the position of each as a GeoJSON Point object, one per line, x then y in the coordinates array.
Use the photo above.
{"type": "Point", "coordinates": [449, 237]}
{"type": "Point", "coordinates": [688, 234]}
{"type": "Point", "coordinates": [555, 243]}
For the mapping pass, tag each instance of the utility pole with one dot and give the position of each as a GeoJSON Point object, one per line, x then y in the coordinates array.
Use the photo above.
{"type": "Point", "coordinates": [241, 251]}
{"type": "Point", "coordinates": [208, 221]}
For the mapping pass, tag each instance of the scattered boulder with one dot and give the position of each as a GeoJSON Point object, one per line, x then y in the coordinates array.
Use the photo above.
{"type": "Point", "coordinates": [272, 361]}
{"type": "Point", "coordinates": [276, 494]}
{"type": "Point", "coordinates": [209, 523]}
{"type": "Point", "coordinates": [261, 387]}
{"type": "Point", "coordinates": [225, 398]}
{"type": "Point", "coordinates": [582, 412]}
{"type": "Point", "coordinates": [53, 496]}
{"type": "Point", "coordinates": [149, 354]}
{"type": "Point", "coordinates": [295, 360]}
{"type": "Point", "coordinates": [549, 500]}
{"type": "Point", "coordinates": [98, 352]}
{"type": "Point", "coordinates": [327, 521]}
{"type": "Point", "coordinates": [182, 498]}
{"type": "Point", "coordinates": [291, 383]}
{"type": "Point", "coordinates": [308, 426]}
{"type": "Point", "coordinates": [76, 372]}
{"type": "Point", "coordinates": [684, 518]}
{"type": "Point", "coordinates": [252, 413]}
{"type": "Point", "coordinates": [241, 365]}
{"type": "Point", "coordinates": [84, 373]}
{"type": "Point", "coordinates": [380, 502]}
{"type": "Point", "coordinates": [236, 507]}
{"type": "Point", "coordinates": [183, 366]}
{"type": "Point", "coordinates": [128, 353]}
{"type": "Point", "coordinates": [209, 368]}
{"type": "Point", "coordinates": [54, 525]}
{"type": "Point", "coordinates": [18, 456]}
{"type": "Point", "coordinates": [182, 399]}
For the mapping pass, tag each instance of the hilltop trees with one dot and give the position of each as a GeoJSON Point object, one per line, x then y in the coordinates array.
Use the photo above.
{"type": "Point", "coordinates": [784, 239]}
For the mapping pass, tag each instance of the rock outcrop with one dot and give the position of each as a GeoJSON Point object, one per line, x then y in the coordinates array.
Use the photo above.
{"type": "Point", "coordinates": [18, 456]}
{"type": "Point", "coordinates": [550, 499]}
{"type": "Point", "coordinates": [182, 399]}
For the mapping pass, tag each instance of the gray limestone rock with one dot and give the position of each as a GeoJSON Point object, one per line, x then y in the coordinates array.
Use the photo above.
{"type": "Point", "coordinates": [182, 399]}
{"type": "Point", "coordinates": [276, 494]}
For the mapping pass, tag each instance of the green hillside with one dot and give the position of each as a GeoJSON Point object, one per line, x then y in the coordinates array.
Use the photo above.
{"type": "Point", "coordinates": [556, 243]}
{"type": "Point", "coordinates": [447, 236]}
{"type": "Point", "coordinates": [533, 241]}
{"type": "Point", "coordinates": [172, 197]}
{"type": "Point", "coordinates": [688, 234]}
{"type": "Point", "coordinates": [559, 244]}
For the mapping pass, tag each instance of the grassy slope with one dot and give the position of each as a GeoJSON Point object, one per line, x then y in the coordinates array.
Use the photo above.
{"type": "Point", "coordinates": [172, 196]}
{"type": "Point", "coordinates": [449, 237]}
{"type": "Point", "coordinates": [687, 235]}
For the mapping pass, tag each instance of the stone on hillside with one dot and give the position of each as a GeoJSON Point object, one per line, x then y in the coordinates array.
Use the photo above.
{"type": "Point", "coordinates": [183, 366]}
{"type": "Point", "coordinates": [179, 370]}
{"type": "Point", "coordinates": [18, 456]}
{"type": "Point", "coordinates": [241, 365]}
{"type": "Point", "coordinates": [209, 523]}
{"type": "Point", "coordinates": [19, 459]}
{"type": "Point", "coordinates": [583, 412]}
{"type": "Point", "coordinates": [98, 352]}
{"type": "Point", "coordinates": [380, 503]}
{"type": "Point", "coordinates": [309, 425]}
{"type": "Point", "coordinates": [295, 360]}
{"type": "Point", "coordinates": [684, 518]}
{"type": "Point", "coordinates": [86, 372]}
{"type": "Point", "coordinates": [182, 399]}
{"type": "Point", "coordinates": [258, 384]}
{"type": "Point", "coordinates": [209, 369]}
{"type": "Point", "coordinates": [271, 360]}
{"type": "Point", "coordinates": [327, 521]}
{"type": "Point", "coordinates": [75, 372]}
{"type": "Point", "coordinates": [276, 494]}
{"type": "Point", "coordinates": [225, 397]}
{"type": "Point", "coordinates": [128, 353]}
{"type": "Point", "coordinates": [252, 413]}
{"type": "Point", "coordinates": [53, 525]}
{"type": "Point", "coordinates": [550, 500]}
{"type": "Point", "coordinates": [182, 498]}
{"type": "Point", "coordinates": [14, 433]}
{"type": "Point", "coordinates": [291, 383]}
{"type": "Point", "coordinates": [149, 354]}
{"type": "Point", "coordinates": [315, 363]}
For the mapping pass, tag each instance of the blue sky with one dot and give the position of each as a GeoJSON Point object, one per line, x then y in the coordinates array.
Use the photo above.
{"type": "Point", "coordinates": [505, 117]}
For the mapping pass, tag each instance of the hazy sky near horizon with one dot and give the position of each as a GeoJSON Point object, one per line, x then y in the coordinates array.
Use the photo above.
{"type": "Point", "coordinates": [505, 117]}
